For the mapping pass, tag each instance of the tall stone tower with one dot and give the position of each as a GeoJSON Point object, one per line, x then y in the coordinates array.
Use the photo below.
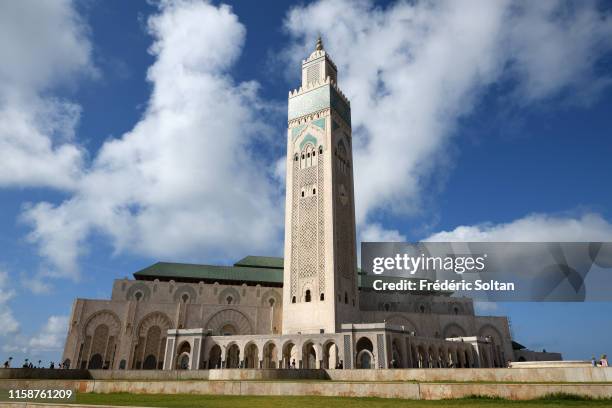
{"type": "Point", "coordinates": [320, 272]}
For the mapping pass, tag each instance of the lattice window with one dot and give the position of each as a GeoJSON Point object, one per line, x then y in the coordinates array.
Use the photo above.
{"type": "Point", "coordinates": [313, 74]}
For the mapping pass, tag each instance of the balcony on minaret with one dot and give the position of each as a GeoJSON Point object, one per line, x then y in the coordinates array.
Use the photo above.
{"type": "Point", "coordinates": [318, 66]}
{"type": "Point", "coordinates": [319, 90]}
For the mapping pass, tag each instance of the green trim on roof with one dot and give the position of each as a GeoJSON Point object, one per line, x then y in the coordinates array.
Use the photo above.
{"type": "Point", "coordinates": [261, 262]}
{"type": "Point", "coordinates": [196, 272]}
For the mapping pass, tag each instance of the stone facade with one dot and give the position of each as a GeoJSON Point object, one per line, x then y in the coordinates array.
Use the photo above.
{"type": "Point", "coordinates": [304, 312]}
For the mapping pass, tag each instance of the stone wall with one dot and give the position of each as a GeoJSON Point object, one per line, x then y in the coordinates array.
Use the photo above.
{"type": "Point", "coordinates": [405, 390]}
{"type": "Point", "coordinates": [465, 375]}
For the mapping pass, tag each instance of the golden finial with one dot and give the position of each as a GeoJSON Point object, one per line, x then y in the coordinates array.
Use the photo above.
{"type": "Point", "coordinates": [319, 46]}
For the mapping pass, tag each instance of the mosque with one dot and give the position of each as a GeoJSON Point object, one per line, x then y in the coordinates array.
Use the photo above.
{"type": "Point", "coordinates": [310, 309]}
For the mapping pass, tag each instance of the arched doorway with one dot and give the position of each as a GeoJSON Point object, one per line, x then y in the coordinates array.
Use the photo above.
{"type": "Point", "coordinates": [467, 359]}
{"type": "Point", "coordinates": [422, 357]}
{"type": "Point", "coordinates": [251, 356]}
{"type": "Point", "coordinates": [396, 355]}
{"type": "Point", "coordinates": [309, 355]}
{"type": "Point", "coordinates": [330, 355]}
{"type": "Point", "coordinates": [95, 362]}
{"type": "Point", "coordinates": [290, 355]}
{"type": "Point", "coordinates": [365, 353]}
{"type": "Point", "coordinates": [150, 363]}
{"type": "Point", "coordinates": [183, 356]}
{"type": "Point", "coordinates": [431, 361]}
{"type": "Point", "coordinates": [214, 357]}
{"type": "Point", "coordinates": [99, 347]}
{"type": "Point", "coordinates": [270, 355]}
{"type": "Point", "coordinates": [233, 356]}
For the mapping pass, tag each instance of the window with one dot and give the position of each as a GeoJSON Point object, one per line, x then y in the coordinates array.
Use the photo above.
{"type": "Point", "coordinates": [320, 149]}
{"type": "Point", "coordinates": [456, 310]}
{"type": "Point", "coordinates": [293, 300]}
{"type": "Point", "coordinates": [229, 300]}
{"type": "Point", "coordinates": [138, 296]}
{"type": "Point", "coordinates": [314, 191]}
{"type": "Point", "coordinates": [387, 307]}
{"type": "Point", "coordinates": [422, 309]}
{"type": "Point", "coordinates": [322, 297]}
{"type": "Point", "coordinates": [185, 297]}
{"type": "Point", "coordinates": [296, 157]}
{"type": "Point", "coordinates": [302, 194]}
{"type": "Point", "coordinates": [271, 302]}
{"type": "Point", "coordinates": [345, 298]}
{"type": "Point", "coordinates": [307, 298]}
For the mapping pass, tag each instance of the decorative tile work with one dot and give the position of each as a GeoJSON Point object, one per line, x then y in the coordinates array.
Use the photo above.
{"type": "Point", "coordinates": [308, 138]}
{"type": "Point", "coordinates": [320, 123]}
{"type": "Point", "coordinates": [311, 101]}
{"type": "Point", "coordinates": [380, 349]}
{"type": "Point", "coordinates": [348, 356]}
{"type": "Point", "coordinates": [296, 131]}
{"type": "Point", "coordinates": [321, 225]}
{"type": "Point", "coordinates": [294, 228]}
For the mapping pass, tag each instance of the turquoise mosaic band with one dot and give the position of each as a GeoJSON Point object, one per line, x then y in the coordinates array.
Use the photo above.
{"type": "Point", "coordinates": [317, 99]}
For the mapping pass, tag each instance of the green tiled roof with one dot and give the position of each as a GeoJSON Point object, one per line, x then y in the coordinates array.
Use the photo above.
{"type": "Point", "coordinates": [261, 262]}
{"type": "Point", "coordinates": [265, 270]}
{"type": "Point", "coordinates": [211, 273]}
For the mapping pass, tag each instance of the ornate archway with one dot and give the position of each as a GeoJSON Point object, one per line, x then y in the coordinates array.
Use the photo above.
{"type": "Point", "coordinates": [229, 318]}
{"type": "Point", "coordinates": [99, 337]}
{"type": "Point", "coordinates": [150, 343]}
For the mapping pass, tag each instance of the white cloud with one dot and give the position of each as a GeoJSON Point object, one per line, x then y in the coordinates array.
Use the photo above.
{"type": "Point", "coordinates": [589, 227]}
{"type": "Point", "coordinates": [52, 335]}
{"type": "Point", "coordinates": [8, 323]}
{"type": "Point", "coordinates": [413, 69]}
{"type": "Point", "coordinates": [377, 233]}
{"type": "Point", "coordinates": [36, 284]}
{"type": "Point", "coordinates": [184, 181]}
{"type": "Point", "coordinates": [42, 45]}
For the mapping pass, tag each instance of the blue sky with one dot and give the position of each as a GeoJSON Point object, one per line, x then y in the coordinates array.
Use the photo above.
{"type": "Point", "coordinates": [132, 132]}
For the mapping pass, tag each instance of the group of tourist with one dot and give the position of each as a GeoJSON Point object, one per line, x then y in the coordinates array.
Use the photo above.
{"type": "Point", "coordinates": [603, 361]}
{"type": "Point", "coordinates": [28, 364]}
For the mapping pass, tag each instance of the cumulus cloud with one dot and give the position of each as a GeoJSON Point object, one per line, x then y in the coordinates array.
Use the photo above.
{"type": "Point", "coordinates": [184, 182]}
{"type": "Point", "coordinates": [377, 233]}
{"type": "Point", "coordinates": [8, 323]}
{"type": "Point", "coordinates": [413, 69]}
{"type": "Point", "coordinates": [533, 228]}
{"type": "Point", "coordinates": [51, 336]}
{"type": "Point", "coordinates": [42, 45]}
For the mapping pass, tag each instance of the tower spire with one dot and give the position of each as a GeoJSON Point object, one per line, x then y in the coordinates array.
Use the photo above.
{"type": "Point", "coordinates": [319, 45]}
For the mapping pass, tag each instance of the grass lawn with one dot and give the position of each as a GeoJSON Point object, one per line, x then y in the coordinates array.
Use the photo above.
{"type": "Point", "coordinates": [221, 401]}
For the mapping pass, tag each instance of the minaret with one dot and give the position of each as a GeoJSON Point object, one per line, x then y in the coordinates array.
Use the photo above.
{"type": "Point", "coordinates": [320, 279]}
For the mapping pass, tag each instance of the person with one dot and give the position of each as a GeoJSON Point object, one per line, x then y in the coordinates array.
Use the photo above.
{"type": "Point", "coordinates": [392, 363]}
{"type": "Point", "coordinates": [52, 365]}
{"type": "Point", "coordinates": [7, 364]}
{"type": "Point", "coordinates": [293, 363]}
{"type": "Point", "coordinates": [603, 361]}
{"type": "Point", "coordinates": [593, 361]}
